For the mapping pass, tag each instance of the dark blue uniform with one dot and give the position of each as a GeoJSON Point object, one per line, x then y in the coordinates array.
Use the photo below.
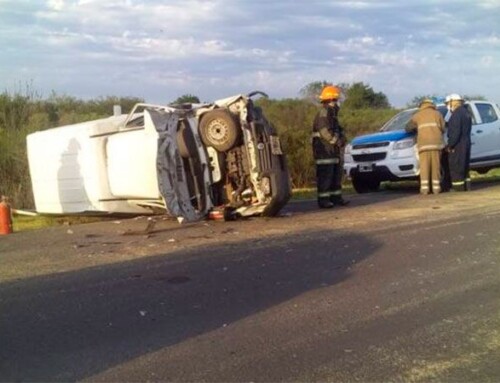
{"type": "Point", "coordinates": [459, 142]}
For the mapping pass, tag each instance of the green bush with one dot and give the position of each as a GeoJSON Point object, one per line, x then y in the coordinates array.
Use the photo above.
{"type": "Point", "coordinates": [293, 119]}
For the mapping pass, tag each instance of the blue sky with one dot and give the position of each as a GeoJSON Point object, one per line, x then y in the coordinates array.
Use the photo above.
{"type": "Point", "coordinates": [159, 50]}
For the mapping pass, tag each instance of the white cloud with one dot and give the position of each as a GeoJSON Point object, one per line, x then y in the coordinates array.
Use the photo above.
{"type": "Point", "coordinates": [487, 61]}
{"type": "Point", "coordinates": [174, 45]}
{"type": "Point", "coordinates": [489, 4]}
{"type": "Point", "coordinates": [55, 5]}
{"type": "Point", "coordinates": [491, 41]}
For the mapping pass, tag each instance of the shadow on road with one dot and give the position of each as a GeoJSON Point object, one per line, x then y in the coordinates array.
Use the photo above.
{"type": "Point", "coordinates": [390, 191]}
{"type": "Point", "coordinates": [355, 200]}
{"type": "Point", "coordinates": [73, 325]}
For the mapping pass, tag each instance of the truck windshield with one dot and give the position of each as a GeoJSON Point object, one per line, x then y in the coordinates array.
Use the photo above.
{"type": "Point", "coordinates": [399, 121]}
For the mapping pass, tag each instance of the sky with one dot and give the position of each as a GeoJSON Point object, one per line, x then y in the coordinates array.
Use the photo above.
{"type": "Point", "coordinates": [160, 50]}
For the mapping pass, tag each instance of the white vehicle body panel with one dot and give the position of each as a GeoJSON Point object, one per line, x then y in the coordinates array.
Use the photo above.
{"type": "Point", "coordinates": [130, 173]}
{"type": "Point", "coordinates": [485, 136]}
{"type": "Point", "coordinates": [71, 168]}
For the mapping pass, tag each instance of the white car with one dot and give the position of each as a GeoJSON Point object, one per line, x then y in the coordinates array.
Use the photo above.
{"type": "Point", "coordinates": [391, 153]}
{"type": "Point", "coordinates": [185, 160]}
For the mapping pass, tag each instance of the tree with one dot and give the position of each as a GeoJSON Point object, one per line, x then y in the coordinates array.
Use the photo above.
{"type": "Point", "coordinates": [361, 96]}
{"type": "Point", "coordinates": [415, 101]}
{"type": "Point", "coordinates": [474, 97]}
{"type": "Point", "coordinates": [187, 99]}
{"type": "Point", "coordinates": [357, 95]}
{"type": "Point", "coordinates": [312, 90]}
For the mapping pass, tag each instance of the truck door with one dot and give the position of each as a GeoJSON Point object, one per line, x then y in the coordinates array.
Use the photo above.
{"type": "Point", "coordinates": [485, 134]}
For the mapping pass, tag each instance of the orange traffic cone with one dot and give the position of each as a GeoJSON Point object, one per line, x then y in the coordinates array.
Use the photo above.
{"type": "Point", "coordinates": [5, 217]}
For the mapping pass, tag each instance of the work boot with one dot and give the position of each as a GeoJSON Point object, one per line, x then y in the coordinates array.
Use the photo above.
{"type": "Point", "coordinates": [325, 204]}
{"type": "Point", "coordinates": [339, 201]}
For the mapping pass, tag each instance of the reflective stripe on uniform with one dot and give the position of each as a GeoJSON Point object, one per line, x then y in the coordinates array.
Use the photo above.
{"type": "Point", "coordinates": [330, 193]}
{"type": "Point", "coordinates": [324, 194]}
{"type": "Point", "coordinates": [428, 125]}
{"type": "Point", "coordinates": [436, 186]}
{"type": "Point", "coordinates": [327, 161]}
{"type": "Point", "coordinates": [458, 183]}
{"type": "Point", "coordinates": [430, 147]}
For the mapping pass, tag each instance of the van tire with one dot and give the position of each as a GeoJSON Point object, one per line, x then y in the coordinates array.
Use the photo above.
{"type": "Point", "coordinates": [365, 184]}
{"type": "Point", "coordinates": [219, 129]}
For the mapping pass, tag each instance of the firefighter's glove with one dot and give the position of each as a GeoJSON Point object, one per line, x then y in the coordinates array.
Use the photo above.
{"type": "Point", "coordinates": [334, 140]}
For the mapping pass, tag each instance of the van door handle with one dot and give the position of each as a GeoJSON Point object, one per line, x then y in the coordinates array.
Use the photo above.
{"type": "Point", "coordinates": [479, 131]}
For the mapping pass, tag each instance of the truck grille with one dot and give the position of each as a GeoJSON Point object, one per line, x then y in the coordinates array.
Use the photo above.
{"type": "Point", "coordinates": [372, 145]}
{"type": "Point", "coordinates": [369, 157]}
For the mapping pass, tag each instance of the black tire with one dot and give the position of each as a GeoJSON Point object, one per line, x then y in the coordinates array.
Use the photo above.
{"type": "Point", "coordinates": [482, 170]}
{"type": "Point", "coordinates": [218, 128]}
{"type": "Point", "coordinates": [365, 184]}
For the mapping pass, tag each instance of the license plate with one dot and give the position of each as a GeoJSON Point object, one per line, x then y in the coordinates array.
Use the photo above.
{"type": "Point", "coordinates": [275, 145]}
{"type": "Point", "coordinates": [365, 168]}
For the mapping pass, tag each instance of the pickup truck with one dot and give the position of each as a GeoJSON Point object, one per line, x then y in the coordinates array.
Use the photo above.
{"type": "Point", "coordinates": [187, 161]}
{"type": "Point", "coordinates": [391, 153]}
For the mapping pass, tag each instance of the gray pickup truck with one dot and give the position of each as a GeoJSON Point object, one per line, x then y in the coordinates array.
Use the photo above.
{"type": "Point", "coordinates": [391, 155]}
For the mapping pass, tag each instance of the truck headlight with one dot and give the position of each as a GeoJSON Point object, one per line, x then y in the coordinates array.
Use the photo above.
{"type": "Point", "coordinates": [404, 144]}
{"type": "Point", "coordinates": [348, 149]}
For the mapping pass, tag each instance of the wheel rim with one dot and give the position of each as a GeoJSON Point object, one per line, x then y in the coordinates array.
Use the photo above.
{"type": "Point", "coordinates": [217, 131]}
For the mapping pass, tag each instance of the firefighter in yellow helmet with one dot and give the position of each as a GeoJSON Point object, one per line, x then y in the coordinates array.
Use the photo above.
{"type": "Point", "coordinates": [328, 143]}
{"type": "Point", "coordinates": [429, 125]}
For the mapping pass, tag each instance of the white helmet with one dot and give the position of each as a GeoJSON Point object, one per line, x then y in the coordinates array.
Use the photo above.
{"type": "Point", "coordinates": [454, 97]}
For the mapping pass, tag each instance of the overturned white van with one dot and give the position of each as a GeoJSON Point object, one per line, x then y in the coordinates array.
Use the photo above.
{"type": "Point", "coordinates": [183, 160]}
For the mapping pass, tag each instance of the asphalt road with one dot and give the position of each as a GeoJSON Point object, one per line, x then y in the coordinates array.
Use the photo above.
{"type": "Point", "coordinates": [394, 287]}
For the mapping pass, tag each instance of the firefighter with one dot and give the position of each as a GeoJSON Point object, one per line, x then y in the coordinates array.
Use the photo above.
{"type": "Point", "coordinates": [459, 143]}
{"type": "Point", "coordinates": [328, 143]}
{"type": "Point", "coordinates": [429, 125]}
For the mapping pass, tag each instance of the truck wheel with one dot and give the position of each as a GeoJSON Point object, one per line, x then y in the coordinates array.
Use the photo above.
{"type": "Point", "coordinates": [482, 170]}
{"type": "Point", "coordinates": [365, 184]}
{"type": "Point", "coordinates": [218, 128]}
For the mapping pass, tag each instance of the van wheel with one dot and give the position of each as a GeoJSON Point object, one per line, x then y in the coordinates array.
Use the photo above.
{"type": "Point", "coordinates": [218, 128]}
{"type": "Point", "coordinates": [365, 184]}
